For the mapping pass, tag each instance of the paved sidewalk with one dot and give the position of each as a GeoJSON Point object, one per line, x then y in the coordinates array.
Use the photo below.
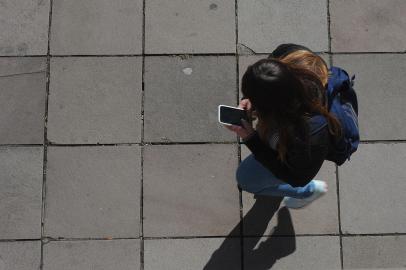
{"type": "Point", "coordinates": [111, 156]}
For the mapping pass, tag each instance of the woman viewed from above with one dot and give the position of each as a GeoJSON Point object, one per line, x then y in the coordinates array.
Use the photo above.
{"type": "Point", "coordinates": [288, 147]}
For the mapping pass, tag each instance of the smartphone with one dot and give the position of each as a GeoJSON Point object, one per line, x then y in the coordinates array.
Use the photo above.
{"type": "Point", "coordinates": [231, 115]}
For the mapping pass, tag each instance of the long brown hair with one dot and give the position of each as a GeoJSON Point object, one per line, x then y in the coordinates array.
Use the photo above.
{"type": "Point", "coordinates": [283, 95]}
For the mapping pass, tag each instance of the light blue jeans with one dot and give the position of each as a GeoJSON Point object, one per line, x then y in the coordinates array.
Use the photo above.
{"type": "Point", "coordinates": [253, 177]}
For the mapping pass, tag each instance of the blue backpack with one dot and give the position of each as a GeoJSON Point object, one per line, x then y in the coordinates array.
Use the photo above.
{"type": "Point", "coordinates": [342, 103]}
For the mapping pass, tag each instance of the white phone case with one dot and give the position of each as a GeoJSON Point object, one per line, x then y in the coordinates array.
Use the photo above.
{"type": "Point", "coordinates": [218, 112]}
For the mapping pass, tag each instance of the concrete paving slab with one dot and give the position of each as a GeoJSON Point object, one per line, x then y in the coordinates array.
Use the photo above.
{"type": "Point", "coordinates": [95, 100]}
{"type": "Point", "coordinates": [20, 255]}
{"type": "Point", "coordinates": [24, 27]}
{"type": "Point", "coordinates": [21, 176]}
{"type": "Point", "coordinates": [374, 252]}
{"type": "Point", "coordinates": [368, 25]}
{"type": "Point", "coordinates": [179, 26]}
{"type": "Point", "coordinates": [184, 187]}
{"type": "Point", "coordinates": [197, 253]}
{"type": "Point", "coordinates": [302, 252]}
{"type": "Point", "coordinates": [97, 254]}
{"type": "Point", "coordinates": [372, 189]}
{"type": "Point", "coordinates": [182, 98]}
{"type": "Point", "coordinates": [305, 221]}
{"type": "Point", "coordinates": [22, 100]}
{"type": "Point", "coordinates": [93, 192]}
{"type": "Point", "coordinates": [91, 27]}
{"type": "Point", "coordinates": [379, 85]}
{"type": "Point", "coordinates": [264, 24]}
{"type": "Point", "coordinates": [13, 66]}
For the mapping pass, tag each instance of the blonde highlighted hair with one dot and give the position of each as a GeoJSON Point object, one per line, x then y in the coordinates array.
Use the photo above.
{"type": "Point", "coordinates": [310, 61]}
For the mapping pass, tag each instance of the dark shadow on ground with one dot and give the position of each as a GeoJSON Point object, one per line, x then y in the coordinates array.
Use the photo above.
{"type": "Point", "coordinates": [255, 222]}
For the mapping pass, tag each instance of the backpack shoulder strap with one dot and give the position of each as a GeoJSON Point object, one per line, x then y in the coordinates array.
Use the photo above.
{"type": "Point", "coordinates": [316, 123]}
{"type": "Point", "coordinates": [338, 81]}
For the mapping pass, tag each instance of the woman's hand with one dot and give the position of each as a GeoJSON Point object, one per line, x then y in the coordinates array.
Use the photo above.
{"type": "Point", "coordinates": [245, 104]}
{"type": "Point", "coordinates": [244, 132]}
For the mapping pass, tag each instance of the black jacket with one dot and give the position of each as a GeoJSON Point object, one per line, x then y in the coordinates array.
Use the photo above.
{"type": "Point", "coordinates": [303, 160]}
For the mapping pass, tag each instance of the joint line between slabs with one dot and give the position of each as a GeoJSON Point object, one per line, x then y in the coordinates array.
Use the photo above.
{"type": "Point", "coordinates": [172, 143]}
{"type": "Point", "coordinates": [142, 139]}
{"type": "Point", "coordinates": [45, 146]}
{"type": "Point", "coordinates": [51, 239]}
{"type": "Point", "coordinates": [241, 212]}
{"type": "Point", "coordinates": [197, 54]}
{"type": "Point", "coordinates": [339, 216]}
{"type": "Point", "coordinates": [330, 56]}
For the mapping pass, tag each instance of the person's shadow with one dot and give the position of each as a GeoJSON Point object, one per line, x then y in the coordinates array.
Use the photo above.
{"type": "Point", "coordinates": [255, 222]}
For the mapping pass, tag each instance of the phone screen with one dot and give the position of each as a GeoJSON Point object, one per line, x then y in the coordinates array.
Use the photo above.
{"type": "Point", "coordinates": [233, 116]}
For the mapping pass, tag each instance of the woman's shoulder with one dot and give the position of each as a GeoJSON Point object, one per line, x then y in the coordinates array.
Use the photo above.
{"type": "Point", "coordinates": [315, 131]}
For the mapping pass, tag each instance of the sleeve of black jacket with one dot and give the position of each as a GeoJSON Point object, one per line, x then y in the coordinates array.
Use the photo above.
{"type": "Point", "coordinates": [302, 163]}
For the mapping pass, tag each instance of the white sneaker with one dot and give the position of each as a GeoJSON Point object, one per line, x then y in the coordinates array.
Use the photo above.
{"type": "Point", "coordinates": [320, 188]}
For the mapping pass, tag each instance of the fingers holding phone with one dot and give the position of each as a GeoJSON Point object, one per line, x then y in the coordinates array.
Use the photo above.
{"type": "Point", "coordinates": [235, 119]}
{"type": "Point", "coordinates": [244, 131]}
{"type": "Point", "coordinates": [245, 104]}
